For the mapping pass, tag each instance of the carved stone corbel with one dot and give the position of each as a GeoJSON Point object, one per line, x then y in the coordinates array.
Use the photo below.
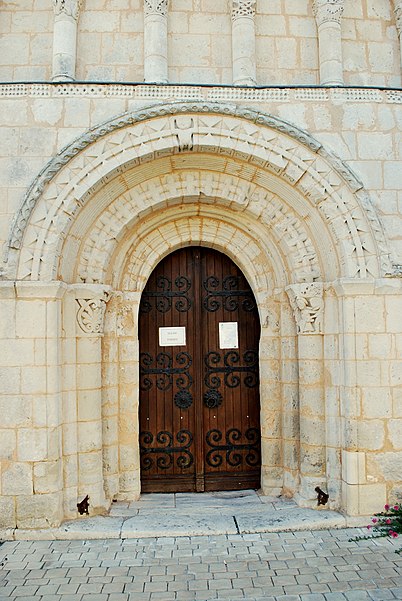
{"type": "Point", "coordinates": [307, 302]}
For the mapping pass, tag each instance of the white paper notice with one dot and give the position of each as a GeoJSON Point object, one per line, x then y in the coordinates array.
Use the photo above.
{"type": "Point", "coordinates": [228, 334]}
{"type": "Point", "coordinates": [172, 336]}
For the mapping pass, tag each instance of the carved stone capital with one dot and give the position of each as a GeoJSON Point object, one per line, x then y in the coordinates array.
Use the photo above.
{"type": "Point", "coordinates": [328, 11]}
{"type": "Point", "coordinates": [90, 314]}
{"type": "Point", "coordinates": [243, 8]}
{"type": "Point", "coordinates": [155, 7]}
{"type": "Point", "coordinates": [398, 15]}
{"type": "Point", "coordinates": [307, 302]}
{"type": "Point", "coordinates": [71, 8]}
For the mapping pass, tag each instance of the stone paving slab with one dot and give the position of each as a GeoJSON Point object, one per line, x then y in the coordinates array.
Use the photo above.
{"type": "Point", "coordinates": [228, 512]}
{"type": "Point", "coordinates": [276, 566]}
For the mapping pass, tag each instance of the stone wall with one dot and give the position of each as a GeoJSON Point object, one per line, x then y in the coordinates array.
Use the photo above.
{"type": "Point", "coordinates": [111, 42]}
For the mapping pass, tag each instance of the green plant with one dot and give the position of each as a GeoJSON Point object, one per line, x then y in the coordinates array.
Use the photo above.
{"type": "Point", "coordinates": [386, 523]}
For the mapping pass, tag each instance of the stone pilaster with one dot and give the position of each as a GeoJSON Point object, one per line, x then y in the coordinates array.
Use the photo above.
{"type": "Point", "coordinates": [66, 15]}
{"type": "Point", "coordinates": [328, 14]}
{"type": "Point", "coordinates": [243, 42]}
{"type": "Point", "coordinates": [155, 41]}
{"type": "Point", "coordinates": [398, 20]}
{"type": "Point", "coordinates": [308, 306]}
{"type": "Point", "coordinates": [89, 307]}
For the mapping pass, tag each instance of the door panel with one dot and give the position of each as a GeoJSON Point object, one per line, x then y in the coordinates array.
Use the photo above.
{"type": "Point", "coordinates": [199, 403]}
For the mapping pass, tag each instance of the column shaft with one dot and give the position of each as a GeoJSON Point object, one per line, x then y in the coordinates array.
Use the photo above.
{"type": "Point", "coordinates": [155, 41]}
{"type": "Point", "coordinates": [328, 15]}
{"type": "Point", "coordinates": [243, 42]}
{"type": "Point", "coordinates": [65, 39]}
{"type": "Point", "coordinates": [398, 19]}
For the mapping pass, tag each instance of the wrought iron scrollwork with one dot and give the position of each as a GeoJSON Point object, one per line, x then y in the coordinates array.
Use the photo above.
{"type": "Point", "coordinates": [228, 295]}
{"type": "Point", "coordinates": [162, 368]}
{"type": "Point", "coordinates": [236, 451]}
{"type": "Point", "coordinates": [163, 455]}
{"type": "Point", "coordinates": [231, 369]}
{"type": "Point", "coordinates": [164, 295]}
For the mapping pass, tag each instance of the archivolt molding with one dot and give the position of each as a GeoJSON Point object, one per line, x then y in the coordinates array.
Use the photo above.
{"type": "Point", "coordinates": [272, 146]}
{"type": "Point", "coordinates": [199, 193]}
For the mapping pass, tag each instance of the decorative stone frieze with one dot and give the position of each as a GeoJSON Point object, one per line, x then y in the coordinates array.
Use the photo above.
{"type": "Point", "coordinates": [328, 14]}
{"type": "Point", "coordinates": [328, 10]}
{"type": "Point", "coordinates": [71, 8]}
{"type": "Point", "coordinates": [243, 42]}
{"type": "Point", "coordinates": [155, 41]}
{"type": "Point", "coordinates": [308, 305]}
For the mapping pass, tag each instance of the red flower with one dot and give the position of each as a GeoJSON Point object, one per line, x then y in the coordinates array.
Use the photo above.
{"type": "Point", "coordinates": [386, 507]}
{"type": "Point", "coordinates": [388, 521]}
{"type": "Point", "coordinates": [396, 507]}
{"type": "Point", "coordinates": [369, 527]}
{"type": "Point", "coordinates": [374, 520]}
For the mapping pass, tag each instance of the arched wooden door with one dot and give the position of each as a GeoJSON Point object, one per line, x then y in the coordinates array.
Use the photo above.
{"type": "Point", "coordinates": [199, 384]}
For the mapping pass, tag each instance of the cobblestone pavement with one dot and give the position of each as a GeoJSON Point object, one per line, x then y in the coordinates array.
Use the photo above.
{"type": "Point", "coordinates": [280, 566]}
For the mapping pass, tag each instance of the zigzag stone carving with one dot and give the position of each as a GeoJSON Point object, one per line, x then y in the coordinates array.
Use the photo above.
{"type": "Point", "coordinates": [324, 180]}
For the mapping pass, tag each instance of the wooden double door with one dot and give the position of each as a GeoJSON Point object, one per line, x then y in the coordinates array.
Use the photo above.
{"type": "Point", "coordinates": [199, 380]}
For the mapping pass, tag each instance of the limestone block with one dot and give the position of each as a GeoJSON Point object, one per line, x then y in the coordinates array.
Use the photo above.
{"type": "Point", "coordinates": [371, 434]}
{"type": "Point", "coordinates": [89, 436]}
{"type": "Point", "coordinates": [110, 459]}
{"type": "Point", "coordinates": [30, 319]}
{"type": "Point", "coordinates": [312, 430]}
{"type": "Point", "coordinates": [368, 372]}
{"type": "Point", "coordinates": [369, 314]}
{"type": "Point", "coordinates": [363, 499]}
{"type": "Point", "coordinates": [16, 479]}
{"type": "Point", "coordinates": [9, 381]}
{"type": "Point", "coordinates": [395, 434]}
{"type": "Point", "coordinates": [7, 512]}
{"type": "Point", "coordinates": [14, 411]}
{"type": "Point", "coordinates": [33, 380]}
{"type": "Point", "coordinates": [375, 145]}
{"type": "Point", "coordinates": [32, 444]}
{"type": "Point", "coordinates": [39, 511]}
{"type": "Point", "coordinates": [310, 372]}
{"type": "Point", "coordinates": [353, 467]}
{"type": "Point", "coordinates": [397, 401]}
{"type": "Point", "coordinates": [271, 452]}
{"type": "Point", "coordinates": [89, 405]}
{"type": "Point", "coordinates": [14, 50]}
{"type": "Point", "coordinates": [388, 465]}
{"type": "Point", "coordinates": [377, 402]}
{"type": "Point", "coordinates": [47, 477]}
{"type": "Point", "coordinates": [19, 352]}
{"type": "Point", "coordinates": [381, 346]}
{"type": "Point", "coordinates": [393, 308]}
{"type": "Point", "coordinates": [395, 378]}
{"type": "Point", "coordinates": [77, 112]}
{"type": "Point", "coordinates": [90, 468]}
{"type": "Point", "coordinates": [8, 443]}
{"type": "Point", "coordinates": [129, 483]}
{"type": "Point", "coordinates": [89, 376]}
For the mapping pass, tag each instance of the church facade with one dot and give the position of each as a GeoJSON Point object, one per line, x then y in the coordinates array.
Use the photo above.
{"type": "Point", "coordinates": [201, 269]}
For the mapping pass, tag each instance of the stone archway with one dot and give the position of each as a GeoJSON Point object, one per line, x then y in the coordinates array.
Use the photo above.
{"type": "Point", "coordinates": [104, 213]}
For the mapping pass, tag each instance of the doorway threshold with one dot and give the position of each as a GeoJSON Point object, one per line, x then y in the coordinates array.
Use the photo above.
{"type": "Point", "coordinates": [233, 513]}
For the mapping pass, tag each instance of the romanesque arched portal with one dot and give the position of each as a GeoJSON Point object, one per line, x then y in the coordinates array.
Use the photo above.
{"type": "Point", "coordinates": [293, 218]}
